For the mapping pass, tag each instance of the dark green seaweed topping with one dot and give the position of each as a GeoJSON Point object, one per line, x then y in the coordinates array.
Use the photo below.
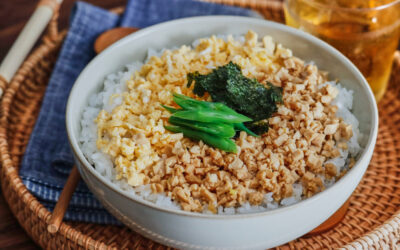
{"type": "Point", "coordinates": [258, 127]}
{"type": "Point", "coordinates": [247, 96]}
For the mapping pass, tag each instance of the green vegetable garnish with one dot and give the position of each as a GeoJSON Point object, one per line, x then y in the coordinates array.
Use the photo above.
{"type": "Point", "coordinates": [213, 123]}
{"type": "Point", "coordinates": [227, 85]}
{"type": "Point", "coordinates": [242, 127]}
{"type": "Point", "coordinates": [225, 144]}
{"type": "Point", "coordinates": [170, 109]}
{"type": "Point", "coordinates": [219, 129]}
{"type": "Point", "coordinates": [208, 115]}
{"type": "Point", "coordinates": [188, 103]}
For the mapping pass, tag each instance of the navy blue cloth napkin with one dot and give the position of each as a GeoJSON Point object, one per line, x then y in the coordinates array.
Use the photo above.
{"type": "Point", "coordinates": [48, 159]}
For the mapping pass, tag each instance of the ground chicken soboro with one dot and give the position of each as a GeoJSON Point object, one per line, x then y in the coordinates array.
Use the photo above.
{"type": "Point", "coordinates": [303, 134]}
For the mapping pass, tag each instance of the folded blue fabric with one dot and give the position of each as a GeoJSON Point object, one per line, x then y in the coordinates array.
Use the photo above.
{"type": "Point", "coordinates": [48, 159]}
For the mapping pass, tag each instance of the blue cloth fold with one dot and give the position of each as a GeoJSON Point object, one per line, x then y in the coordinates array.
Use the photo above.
{"type": "Point", "coordinates": [48, 159]}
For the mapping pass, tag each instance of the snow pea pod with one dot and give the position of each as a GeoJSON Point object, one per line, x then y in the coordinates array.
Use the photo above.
{"type": "Point", "coordinates": [242, 127]}
{"type": "Point", "coordinates": [219, 142]}
{"type": "Point", "coordinates": [219, 129]}
{"type": "Point", "coordinates": [189, 103]}
{"type": "Point", "coordinates": [215, 116]}
{"type": "Point", "coordinates": [170, 109]}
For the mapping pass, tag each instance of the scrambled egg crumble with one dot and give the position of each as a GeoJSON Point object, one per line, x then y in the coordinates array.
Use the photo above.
{"type": "Point", "coordinates": [195, 175]}
{"type": "Point", "coordinates": [133, 133]}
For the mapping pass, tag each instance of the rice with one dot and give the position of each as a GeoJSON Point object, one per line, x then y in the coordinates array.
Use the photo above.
{"type": "Point", "coordinates": [110, 97]}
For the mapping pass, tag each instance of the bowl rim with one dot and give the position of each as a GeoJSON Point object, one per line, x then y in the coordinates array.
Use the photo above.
{"type": "Point", "coordinates": [367, 151]}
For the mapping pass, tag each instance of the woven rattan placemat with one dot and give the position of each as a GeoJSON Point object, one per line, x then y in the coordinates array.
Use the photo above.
{"type": "Point", "coordinates": [372, 220]}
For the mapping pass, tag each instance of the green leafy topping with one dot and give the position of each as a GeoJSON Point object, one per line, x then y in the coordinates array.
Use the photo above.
{"type": "Point", "coordinates": [242, 127]}
{"type": "Point", "coordinates": [225, 144]}
{"type": "Point", "coordinates": [227, 85]}
{"type": "Point", "coordinates": [213, 123]}
{"type": "Point", "coordinates": [219, 129]}
{"type": "Point", "coordinates": [208, 115]}
{"type": "Point", "coordinates": [170, 109]}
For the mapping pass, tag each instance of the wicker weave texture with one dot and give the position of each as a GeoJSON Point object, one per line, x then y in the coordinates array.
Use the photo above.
{"type": "Point", "coordinates": [373, 219]}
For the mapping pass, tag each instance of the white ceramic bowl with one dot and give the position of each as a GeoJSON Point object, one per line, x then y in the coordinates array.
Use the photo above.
{"type": "Point", "coordinates": [198, 231]}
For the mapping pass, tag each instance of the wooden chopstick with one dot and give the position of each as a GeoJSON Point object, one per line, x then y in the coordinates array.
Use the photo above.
{"type": "Point", "coordinates": [11, 63]}
{"type": "Point", "coordinates": [26, 40]}
{"type": "Point", "coordinates": [63, 201]}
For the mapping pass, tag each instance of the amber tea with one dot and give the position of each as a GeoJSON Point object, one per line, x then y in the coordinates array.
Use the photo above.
{"type": "Point", "coordinates": [367, 32]}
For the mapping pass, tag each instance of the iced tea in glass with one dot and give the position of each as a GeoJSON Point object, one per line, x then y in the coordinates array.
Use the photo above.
{"type": "Point", "coordinates": [366, 31]}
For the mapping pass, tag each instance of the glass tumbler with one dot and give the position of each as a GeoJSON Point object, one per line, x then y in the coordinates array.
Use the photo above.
{"type": "Point", "coordinates": [366, 31]}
